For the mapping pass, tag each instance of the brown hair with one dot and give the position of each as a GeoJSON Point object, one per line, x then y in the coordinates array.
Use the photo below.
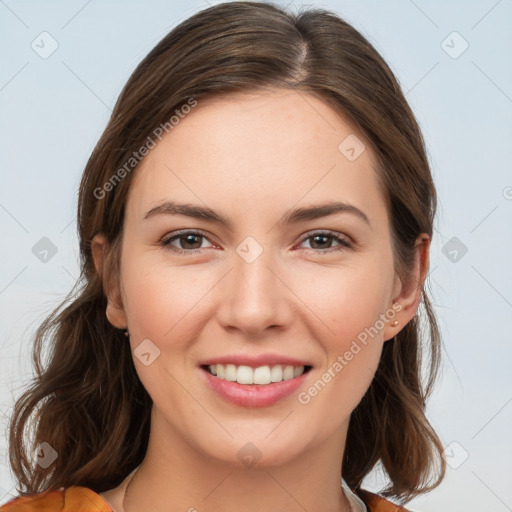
{"type": "Point", "coordinates": [87, 402]}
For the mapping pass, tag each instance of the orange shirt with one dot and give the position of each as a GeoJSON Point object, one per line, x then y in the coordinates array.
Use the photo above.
{"type": "Point", "coordinates": [83, 499]}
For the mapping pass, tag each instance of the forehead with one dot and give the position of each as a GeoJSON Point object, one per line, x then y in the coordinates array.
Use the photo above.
{"type": "Point", "coordinates": [250, 149]}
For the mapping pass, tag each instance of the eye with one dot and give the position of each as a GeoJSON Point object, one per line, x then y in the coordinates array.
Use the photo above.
{"type": "Point", "coordinates": [187, 240]}
{"type": "Point", "coordinates": [323, 240]}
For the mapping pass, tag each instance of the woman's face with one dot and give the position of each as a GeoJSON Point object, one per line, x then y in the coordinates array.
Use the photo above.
{"type": "Point", "coordinates": [280, 281]}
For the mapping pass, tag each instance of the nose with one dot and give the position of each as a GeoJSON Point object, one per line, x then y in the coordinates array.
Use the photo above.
{"type": "Point", "coordinates": [255, 297]}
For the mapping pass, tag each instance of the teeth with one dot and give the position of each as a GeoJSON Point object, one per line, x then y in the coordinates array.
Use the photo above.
{"type": "Point", "coordinates": [276, 374]}
{"type": "Point", "coordinates": [288, 373]}
{"type": "Point", "coordinates": [260, 375]}
{"type": "Point", "coordinates": [230, 372]}
{"type": "Point", "coordinates": [244, 375]}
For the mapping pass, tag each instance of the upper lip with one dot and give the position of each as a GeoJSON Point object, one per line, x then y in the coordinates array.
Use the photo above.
{"type": "Point", "coordinates": [255, 361]}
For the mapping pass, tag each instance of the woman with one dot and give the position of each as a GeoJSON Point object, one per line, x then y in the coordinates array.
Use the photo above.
{"type": "Point", "coordinates": [255, 225]}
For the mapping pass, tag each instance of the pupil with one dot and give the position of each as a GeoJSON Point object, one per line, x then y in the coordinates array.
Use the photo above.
{"type": "Point", "coordinates": [315, 238]}
{"type": "Point", "coordinates": [190, 239]}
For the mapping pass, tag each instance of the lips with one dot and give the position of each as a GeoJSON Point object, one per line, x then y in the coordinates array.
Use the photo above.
{"type": "Point", "coordinates": [295, 372]}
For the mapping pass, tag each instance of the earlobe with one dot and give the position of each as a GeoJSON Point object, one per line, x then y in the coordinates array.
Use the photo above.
{"type": "Point", "coordinates": [115, 311]}
{"type": "Point", "coordinates": [116, 315]}
{"type": "Point", "coordinates": [408, 300]}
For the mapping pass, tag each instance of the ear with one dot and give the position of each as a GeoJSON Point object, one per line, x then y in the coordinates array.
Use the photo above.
{"type": "Point", "coordinates": [115, 310]}
{"type": "Point", "coordinates": [407, 295]}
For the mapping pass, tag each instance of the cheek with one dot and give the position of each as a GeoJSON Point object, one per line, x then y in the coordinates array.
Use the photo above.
{"type": "Point", "coordinates": [350, 303]}
{"type": "Point", "coordinates": [351, 361]}
{"type": "Point", "coordinates": [160, 304]}
{"type": "Point", "coordinates": [348, 300]}
{"type": "Point", "coordinates": [159, 299]}
{"type": "Point", "coordinates": [335, 393]}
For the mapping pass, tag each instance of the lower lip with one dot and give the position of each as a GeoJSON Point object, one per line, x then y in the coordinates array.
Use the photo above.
{"type": "Point", "coordinates": [253, 395]}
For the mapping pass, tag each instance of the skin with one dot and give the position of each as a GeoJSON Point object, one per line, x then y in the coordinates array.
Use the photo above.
{"type": "Point", "coordinates": [251, 158]}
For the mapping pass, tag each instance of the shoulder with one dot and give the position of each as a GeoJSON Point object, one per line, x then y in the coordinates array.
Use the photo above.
{"type": "Point", "coordinates": [377, 503]}
{"type": "Point", "coordinates": [70, 499]}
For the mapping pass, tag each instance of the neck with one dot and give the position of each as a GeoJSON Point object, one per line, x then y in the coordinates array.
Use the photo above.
{"type": "Point", "coordinates": [175, 476]}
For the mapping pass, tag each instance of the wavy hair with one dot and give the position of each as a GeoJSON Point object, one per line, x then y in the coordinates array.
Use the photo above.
{"type": "Point", "coordinates": [86, 400]}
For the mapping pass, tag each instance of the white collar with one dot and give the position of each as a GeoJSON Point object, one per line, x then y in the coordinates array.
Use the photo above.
{"type": "Point", "coordinates": [356, 503]}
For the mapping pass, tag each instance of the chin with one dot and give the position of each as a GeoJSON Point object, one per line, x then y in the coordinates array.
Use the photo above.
{"type": "Point", "coordinates": [257, 451]}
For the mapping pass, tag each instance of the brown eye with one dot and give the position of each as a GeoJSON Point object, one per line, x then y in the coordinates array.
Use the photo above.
{"type": "Point", "coordinates": [187, 242]}
{"type": "Point", "coordinates": [322, 242]}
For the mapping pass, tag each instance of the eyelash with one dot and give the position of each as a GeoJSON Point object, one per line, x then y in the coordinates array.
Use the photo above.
{"type": "Point", "coordinates": [344, 243]}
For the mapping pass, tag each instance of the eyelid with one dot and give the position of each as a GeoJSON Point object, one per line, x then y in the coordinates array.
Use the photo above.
{"type": "Point", "coordinates": [346, 242]}
{"type": "Point", "coordinates": [165, 242]}
{"type": "Point", "coordinates": [342, 237]}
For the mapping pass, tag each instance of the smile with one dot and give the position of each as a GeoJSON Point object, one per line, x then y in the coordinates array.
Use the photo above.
{"type": "Point", "coordinates": [261, 375]}
{"type": "Point", "coordinates": [246, 386]}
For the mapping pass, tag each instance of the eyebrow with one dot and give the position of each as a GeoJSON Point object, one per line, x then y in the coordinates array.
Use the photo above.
{"type": "Point", "coordinates": [291, 217]}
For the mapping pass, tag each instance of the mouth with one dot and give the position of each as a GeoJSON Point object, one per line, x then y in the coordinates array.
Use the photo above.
{"type": "Point", "coordinates": [247, 386]}
{"type": "Point", "coordinates": [258, 376]}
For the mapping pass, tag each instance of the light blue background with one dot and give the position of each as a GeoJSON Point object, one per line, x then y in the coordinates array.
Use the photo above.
{"type": "Point", "coordinates": [54, 110]}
